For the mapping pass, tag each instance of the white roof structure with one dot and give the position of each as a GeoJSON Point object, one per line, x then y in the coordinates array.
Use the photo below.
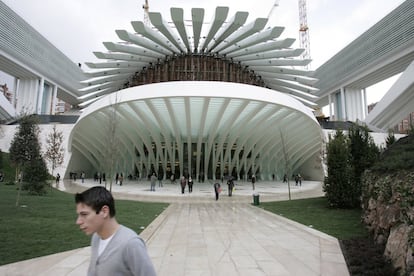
{"type": "Point", "coordinates": [255, 48]}
{"type": "Point", "coordinates": [201, 99]}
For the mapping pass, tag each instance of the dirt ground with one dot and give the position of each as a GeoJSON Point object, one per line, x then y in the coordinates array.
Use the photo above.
{"type": "Point", "coordinates": [364, 257]}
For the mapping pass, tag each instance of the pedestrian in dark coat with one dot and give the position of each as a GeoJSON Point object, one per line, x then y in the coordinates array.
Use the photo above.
{"type": "Point", "coordinates": [217, 189]}
{"type": "Point", "coordinates": [183, 183]}
{"type": "Point", "coordinates": [190, 185]}
{"type": "Point", "coordinates": [253, 182]}
{"type": "Point", "coordinates": [230, 184]}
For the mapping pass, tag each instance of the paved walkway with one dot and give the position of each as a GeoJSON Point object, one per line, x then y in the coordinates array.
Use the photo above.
{"type": "Point", "coordinates": [197, 235]}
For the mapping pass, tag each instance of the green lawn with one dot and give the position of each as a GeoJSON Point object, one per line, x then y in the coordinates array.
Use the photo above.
{"type": "Point", "coordinates": [44, 225]}
{"type": "Point", "coordinates": [340, 223]}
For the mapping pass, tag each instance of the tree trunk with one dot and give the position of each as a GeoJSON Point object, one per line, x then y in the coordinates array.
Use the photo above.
{"type": "Point", "coordinates": [19, 185]}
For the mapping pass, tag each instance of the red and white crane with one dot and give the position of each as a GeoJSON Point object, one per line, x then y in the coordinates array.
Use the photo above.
{"type": "Point", "coordinates": [146, 11]}
{"type": "Point", "coordinates": [304, 41]}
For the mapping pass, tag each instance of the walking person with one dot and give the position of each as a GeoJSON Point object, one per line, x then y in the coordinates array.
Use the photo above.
{"type": "Point", "coordinates": [160, 177]}
{"type": "Point", "coordinates": [253, 181]}
{"type": "Point", "coordinates": [153, 181]}
{"type": "Point", "coordinates": [190, 185]}
{"type": "Point", "coordinates": [183, 183]}
{"type": "Point", "coordinates": [121, 179]}
{"type": "Point", "coordinates": [217, 189]}
{"type": "Point", "coordinates": [57, 178]}
{"type": "Point", "coordinates": [115, 248]}
{"type": "Point", "coordinates": [230, 184]}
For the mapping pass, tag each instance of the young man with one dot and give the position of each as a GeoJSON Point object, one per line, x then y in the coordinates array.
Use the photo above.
{"type": "Point", "coordinates": [116, 249]}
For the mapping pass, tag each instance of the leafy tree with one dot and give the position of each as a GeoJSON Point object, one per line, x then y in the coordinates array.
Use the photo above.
{"type": "Point", "coordinates": [54, 151]}
{"type": "Point", "coordinates": [363, 154]}
{"type": "Point", "coordinates": [25, 154]}
{"type": "Point", "coordinates": [1, 159]}
{"type": "Point", "coordinates": [35, 176]}
{"type": "Point", "coordinates": [348, 157]}
{"type": "Point", "coordinates": [411, 129]}
{"type": "Point", "coordinates": [337, 184]}
{"type": "Point", "coordinates": [390, 138]}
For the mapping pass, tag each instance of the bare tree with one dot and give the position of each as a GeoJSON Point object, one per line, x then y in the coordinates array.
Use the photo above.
{"type": "Point", "coordinates": [54, 149]}
{"type": "Point", "coordinates": [111, 141]}
{"type": "Point", "coordinates": [286, 159]}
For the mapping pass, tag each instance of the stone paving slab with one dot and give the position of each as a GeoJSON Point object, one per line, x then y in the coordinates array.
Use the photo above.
{"type": "Point", "coordinates": [239, 239]}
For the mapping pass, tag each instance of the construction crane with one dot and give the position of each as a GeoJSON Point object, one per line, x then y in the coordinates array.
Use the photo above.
{"type": "Point", "coordinates": [146, 10]}
{"type": "Point", "coordinates": [304, 31]}
{"type": "Point", "coordinates": [276, 4]}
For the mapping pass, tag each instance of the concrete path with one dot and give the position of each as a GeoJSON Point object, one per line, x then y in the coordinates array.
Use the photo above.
{"type": "Point", "coordinates": [197, 235]}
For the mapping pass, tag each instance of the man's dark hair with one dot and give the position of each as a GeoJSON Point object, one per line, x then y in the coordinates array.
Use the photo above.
{"type": "Point", "coordinates": [96, 198]}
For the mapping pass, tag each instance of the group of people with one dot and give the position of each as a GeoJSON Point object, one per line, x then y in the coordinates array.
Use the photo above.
{"type": "Point", "coordinates": [297, 177]}
{"type": "Point", "coordinates": [99, 177]}
{"type": "Point", "coordinates": [184, 182]}
{"type": "Point", "coordinates": [119, 178]}
{"type": "Point", "coordinates": [230, 187]}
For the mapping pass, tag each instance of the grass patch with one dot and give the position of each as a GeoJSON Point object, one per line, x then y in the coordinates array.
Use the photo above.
{"type": "Point", "coordinates": [340, 223]}
{"type": "Point", "coordinates": [44, 225]}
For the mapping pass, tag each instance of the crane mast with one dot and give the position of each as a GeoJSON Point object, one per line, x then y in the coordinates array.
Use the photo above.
{"type": "Point", "coordinates": [146, 10]}
{"type": "Point", "coordinates": [304, 31]}
{"type": "Point", "coordinates": [276, 4]}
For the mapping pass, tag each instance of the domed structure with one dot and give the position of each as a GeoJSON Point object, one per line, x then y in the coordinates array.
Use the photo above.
{"type": "Point", "coordinates": [200, 99]}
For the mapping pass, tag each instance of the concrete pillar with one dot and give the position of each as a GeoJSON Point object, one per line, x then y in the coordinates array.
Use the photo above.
{"type": "Point", "coordinates": [354, 104]}
{"type": "Point", "coordinates": [364, 93]}
{"type": "Point", "coordinates": [26, 95]}
{"type": "Point", "coordinates": [343, 116]}
{"type": "Point", "coordinates": [40, 93]}
{"type": "Point", "coordinates": [54, 100]}
{"type": "Point", "coordinates": [330, 106]}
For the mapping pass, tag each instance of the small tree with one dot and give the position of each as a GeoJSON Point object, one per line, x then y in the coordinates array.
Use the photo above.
{"type": "Point", "coordinates": [25, 154]}
{"type": "Point", "coordinates": [286, 163]}
{"type": "Point", "coordinates": [35, 174]}
{"type": "Point", "coordinates": [111, 141]}
{"type": "Point", "coordinates": [363, 153]}
{"type": "Point", "coordinates": [1, 160]}
{"type": "Point", "coordinates": [348, 158]}
{"type": "Point", "coordinates": [54, 151]}
{"type": "Point", "coordinates": [410, 130]}
{"type": "Point", "coordinates": [390, 138]}
{"type": "Point", "coordinates": [337, 184]}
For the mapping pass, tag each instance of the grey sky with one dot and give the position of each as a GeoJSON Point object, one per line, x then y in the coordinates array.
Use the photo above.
{"type": "Point", "coordinates": [78, 27]}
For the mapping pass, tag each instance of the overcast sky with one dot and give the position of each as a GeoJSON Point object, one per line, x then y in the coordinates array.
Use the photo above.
{"type": "Point", "coordinates": [78, 27]}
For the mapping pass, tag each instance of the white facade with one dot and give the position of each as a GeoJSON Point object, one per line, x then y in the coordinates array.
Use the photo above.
{"type": "Point", "coordinates": [204, 128]}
